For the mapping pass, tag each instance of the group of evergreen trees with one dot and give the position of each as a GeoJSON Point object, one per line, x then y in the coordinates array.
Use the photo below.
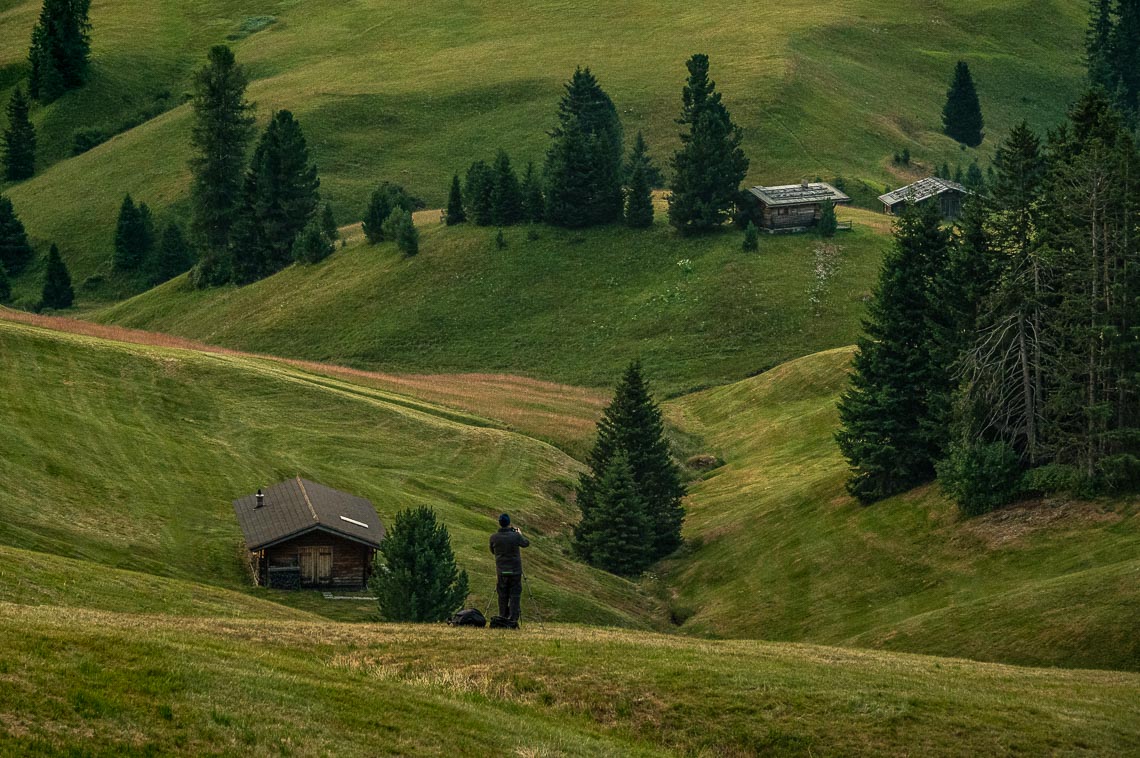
{"type": "Point", "coordinates": [492, 195]}
{"type": "Point", "coordinates": [1113, 53]}
{"type": "Point", "coordinates": [631, 497]}
{"type": "Point", "coordinates": [389, 217]}
{"type": "Point", "coordinates": [60, 50]}
{"type": "Point", "coordinates": [1006, 356]}
{"type": "Point", "coordinates": [19, 139]}
{"type": "Point", "coordinates": [16, 254]}
{"type": "Point", "coordinates": [249, 220]}
{"type": "Point", "coordinates": [138, 253]}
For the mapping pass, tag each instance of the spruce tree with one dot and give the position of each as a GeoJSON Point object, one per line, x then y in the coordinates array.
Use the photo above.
{"type": "Point", "coordinates": [827, 224]}
{"type": "Point", "coordinates": [312, 244]}
{"type": "Point", "coordinates": [584, 165]}
{"type": "Point", "coordinates": [61, 48]}
{"type": "Point", "coordinates": [455, 213]}
{"type": "Point", "coordinates": [962, 114]}
{"type": "Point", "coordinates": [385, 199]}
{"type": "Point", "coordinates": [57, 292]}
{"type": "Point", "coordinates": [618, 530]}
{"type": "Point", "coordinates": [751, 241]}
{"type": "Point", "coordinates": [534, 204]}
{"type": "Point", "coordinates": [174, 255]}
{"type": "Point", "coordinates": [639, 155]}
{"type": "Point", "coordinates": [19, 139]}
{"type": "Point", "coordinates": [416, 577]}
{"type": "Point", "coordinates": [328, 225]}
{"type": "Point", "coordinates": [477, 193]}
{"type": "Point", "coordinates": [710, 165]}
{"type": "Point", "coordinates": [632, 425]}
{"type": "Point", "coordinates": [220, 135]}
{"type": "Point", "coordinates": [639, 198]}
{"type": "Point", "coordinates": [1124, 54]}
{"type": "Point", "coordinates": [133, 240]}
{"type": "Point", "coordinates": [400, 228]}
{"type": "Point", "coordinates": [15, 250]}
{"type": "Point", "coordinates": [5, 285]}
{"type": "Point", "coordinates": [1098, 45]}
{"type": "Point", "coordinates": [506, 195]}
{"type": "Point", "coordinates": [975, 180]}
{"type": "Point", "coordinates": [884, 413]}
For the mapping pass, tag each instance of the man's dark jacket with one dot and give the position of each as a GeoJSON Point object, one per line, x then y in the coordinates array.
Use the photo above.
{"type": "Point", "coordinates": [505, 545]}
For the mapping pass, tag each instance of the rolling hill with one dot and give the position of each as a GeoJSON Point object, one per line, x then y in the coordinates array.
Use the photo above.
{"type": "Point", "coordinates": [412, 93]}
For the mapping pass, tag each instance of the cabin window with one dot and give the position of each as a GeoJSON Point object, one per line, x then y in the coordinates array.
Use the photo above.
{"type": "Point", "coordinates": [783, 211]}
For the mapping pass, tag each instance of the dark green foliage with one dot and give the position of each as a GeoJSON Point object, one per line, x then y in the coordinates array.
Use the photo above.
{"type": "Point", "coordinates": [944, 172]}
{"type": "Point", "coordinates": [885, 434]}
{"type": "Point", "coordinates": [981, 476]}
{"type": "Point", "coordinates": [751, 241]}
{"type": "Point", "coordinates": [1114, 54]}
{"type": "Point", "coordinates": [57, 292]}
{"type": "Point", "coordinates": [400, 228]}
{"type": "Point", "coordinates": [962, 114]}
{"type": "Point", "coordinates": [385, 199]}
{"type": "Point", "coordinates": [506, 194]}
{"type": "Point", "coordinates": [279, 198]}
{"type": "Point", "coordinates": [1098, 45]}
{"type": "Point", "coordinates": [19, 139]}
{"type": "Point", "coordinates": [709, 166]}
{"type": "Point", "coordinates": [534, 204]}
{"type": "Point", "coordinates": [639, 155]}
{"type": "Point", "coordinates": [5, 285]}
{"type": "Point", "coordinates": [60, 49]}
{"type": "Point", "coordinates": [174, 255]}
{"type": "Point", "coordinates": [478, 189]}
{"type": "Point", "coordinates": [134, 237]}
{"type": "Point", "coordinates": [500, 239]}
{"type": "Point", "coordinates": [975, 180]}
{"type": "Point", "coordinates": [632, 426]}
{"type": "Point", "coordinates": [415, 577]}
{"type": "Point", "coordinates": [220, 135]}
{"type": "Point", "coordinates": [312, 244]}
{"type": "Point", "coordinates": [827, 224]}
{"type": "Point", "coordinates": [639, 196]}
{"type": "Point", "coordinates": [583, 171]}
{"type": "Point", "coordinates": [455, 213]}
{"type": "Point", "coordinates": [15, 250]}
{"type": "Point", "coordinates": [328, 224]}
{"type": "Point", "coordinates": [616, 529]}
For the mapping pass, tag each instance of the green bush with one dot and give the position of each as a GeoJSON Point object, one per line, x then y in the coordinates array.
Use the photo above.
{"type": "Point", "coordinates": [981, 476]}
{"type": "Point", "coordinates": [1054, 478]}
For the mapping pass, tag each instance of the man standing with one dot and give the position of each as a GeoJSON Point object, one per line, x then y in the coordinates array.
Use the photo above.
{"type": "Point", "coordinates": [505, 545]}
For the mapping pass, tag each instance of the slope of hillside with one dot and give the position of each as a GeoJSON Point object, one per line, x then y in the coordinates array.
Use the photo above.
{"type": "Point", "coordinates": [127, 456]}
{"type": "Point", "coordinates": [1048, 583]}
{"type": "Point", "coordinates": [414, 92]}
{"type": "Point", "coordinates": [139, 685]}
{"type": "Point", "coordinates": [572, 307]}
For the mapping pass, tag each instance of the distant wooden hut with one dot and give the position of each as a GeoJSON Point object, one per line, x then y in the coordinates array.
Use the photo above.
{"type": "Point", "coordinates": [795, 207]}
{"type": "Point", "coordinates": [946, 193]}
{"type": "Point", "coordinates": [303, 534]}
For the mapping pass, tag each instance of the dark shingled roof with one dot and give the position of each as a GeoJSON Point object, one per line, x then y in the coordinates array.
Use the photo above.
{"type": "Point", "coordinates": [921, 190]}
{"type": "Point", "coordinates": [297, 506]}
{"type": "Point", "coordinates": [799, 194]}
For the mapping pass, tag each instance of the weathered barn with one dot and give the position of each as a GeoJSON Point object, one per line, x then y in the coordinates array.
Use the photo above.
{"type": "Point", "coordinates": [303, 534]}
{"type": "Point", "coordinates": [793, 207]}
{"type": "Point", "coordinates": [946, 193]}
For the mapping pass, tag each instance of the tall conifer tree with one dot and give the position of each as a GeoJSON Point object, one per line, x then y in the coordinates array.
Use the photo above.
{"type": "Point", "coordinates": [61, 48]}
{"type": "Point", "coordinates": [455, 213]}
{"type": "Point", "coordinates": [616, 529]}
{"type": "Point", "coordinates": [221, 132]}
{"type": "Point", "coordinates": [19, 139]}
{"type": "Point", "coordinates": [416, 577]}
{"type": "Point", "coordinates": [15, 250]}
{"type": "Point", "coordinates": [506, 195]}
{"type": "Point", "coordinates": [5, 285]}
{"type": "Point", "coordinates": [57, 292]}
{"type": "Point", "coordinates": [962, 114]}
{"type": "Point", "coordinates": [1098, 45]}
{"type": "Point", "coordinates": [639, 194]}
{"type": "Point", "coordinates": [477, 193]}
{"type": "Point", "coordinates": [534, 204]}
{"type": "Point", "coordinates": [133, 239]}
{"type": "Point", "coordinates": [710, 165]}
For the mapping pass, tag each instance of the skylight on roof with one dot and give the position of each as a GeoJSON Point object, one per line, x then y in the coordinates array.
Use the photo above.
{"type": "Point", "coordinates": [354, 521]}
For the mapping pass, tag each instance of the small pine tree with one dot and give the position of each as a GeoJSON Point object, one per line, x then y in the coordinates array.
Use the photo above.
{"type": "Point", "coordinates": [477, 191]}
{"type": "Point", "coordinates": [132, 238]}
{"type": "Point", "coordinates": [57, 292]}
{"type": "Point", "coordinates": [416, 577]}
{"type": "Point", "coordinates": [15, 250]}
{"type": "Point", "coordinates": [500, 240]}
{"type": "Point", "coordinates": [328, 225]}
{"type": "Point", "coordinates": [639, 155]}
{"type": "Point", "coordinates": [962, 115]}
{"type": "Point", "coordinates": [618, 527]}
{"type": "Point", "coordinates": [639, 196]}
{"type": "Point", "coordinates": [751, 241]}
{"type": "Point", "coordinates": [387, 198]}
{"type": "Point", "coordinates": [312, 245]}
{"type": "Point", "coordinates": [827, 224]}
{"type": "Point", "coordinates": [19, 139]}
{"type": "Point", "coordinates": [975, 180]}
{"type": "Point", "coordinates": [400, 228]}
{"type": "Point", "coordinates": [174, 255]}
{"type": "Point", "coordinates": [455, 213]}
{"type": "Point", "coordinates": [506, 195]}
{"type": "Point", "coordinates": [904, 157]}
{"type": "Point", "coordinates": [534, 204]}
{"type": "Point", "coordinates": [5, 285]}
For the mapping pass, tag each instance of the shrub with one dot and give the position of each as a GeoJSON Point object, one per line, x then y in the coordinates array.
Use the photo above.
{"type": "Point", "coordinates": [981, 476]}
{"type": "Point", "coordinates": [400, 227]}
{"type": "Point", "coordinates": [416, 578]}
{"type": "Point", "coordinates": [751, 241]}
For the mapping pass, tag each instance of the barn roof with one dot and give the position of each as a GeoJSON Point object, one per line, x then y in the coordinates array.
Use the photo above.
{"type": "Point", "coordinates": [297, 506]}
{"type": "Point", "coordinates": [799, 194]}
{"type": "Point", "coordinates": [921, 190]}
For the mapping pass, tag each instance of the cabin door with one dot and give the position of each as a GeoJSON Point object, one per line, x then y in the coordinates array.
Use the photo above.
{"type": "Point", "coordinates": [316, 565]}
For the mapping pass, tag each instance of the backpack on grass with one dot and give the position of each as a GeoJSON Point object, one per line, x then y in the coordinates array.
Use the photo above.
{"type": "Point", "coordinates": [499, 622]}
{"type": "Point", "coordinates": [468, 617]}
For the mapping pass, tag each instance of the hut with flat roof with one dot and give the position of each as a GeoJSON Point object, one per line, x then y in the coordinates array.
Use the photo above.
{"type": "Point", "coordinates": [303, 534]}
{"type": "Point", "coordinates": [946, 193]}
{"type": "Point", "coordinates": [795, 207]}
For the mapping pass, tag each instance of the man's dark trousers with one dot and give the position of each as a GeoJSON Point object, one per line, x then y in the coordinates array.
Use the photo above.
{"type": "Point", "coordinates": [509, 588]}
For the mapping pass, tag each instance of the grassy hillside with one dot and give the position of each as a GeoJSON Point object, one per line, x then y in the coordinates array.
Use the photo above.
{"type": "Point", "coordinates": [127, 456]}
{"type": "Point", "coordinates": [413, 92]}
{"type": "Point", "coordinates": [568, 306]}
{"type": "Point", "coordinates": [104, 684]}
{"type": "Point", "coordinates": [1048, 583]}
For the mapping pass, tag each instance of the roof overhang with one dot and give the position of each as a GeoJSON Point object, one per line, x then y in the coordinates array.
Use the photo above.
{"type": "Point", "coordinates": [307, 530]}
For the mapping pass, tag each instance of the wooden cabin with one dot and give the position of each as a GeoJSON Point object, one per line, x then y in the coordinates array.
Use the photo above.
{"type": "Point", "coordinates": [947, 194]}
{"type": "Point", "coordinates": [795, 207]}
{"type": "Point", "coordinates": [303, 534]}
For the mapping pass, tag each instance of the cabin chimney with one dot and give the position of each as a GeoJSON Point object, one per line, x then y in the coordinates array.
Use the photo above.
{"type": "Point", "coordinates": [260, 499]}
